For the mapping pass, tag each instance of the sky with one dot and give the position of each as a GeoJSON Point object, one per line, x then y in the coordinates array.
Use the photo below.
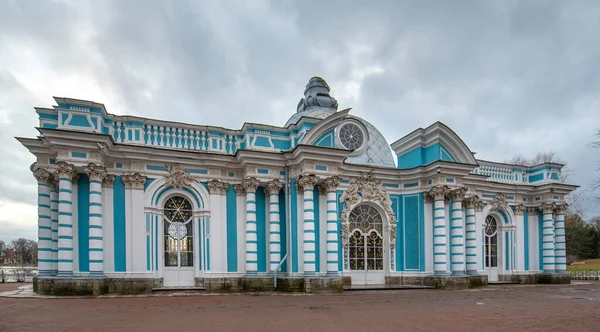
{"type": "Point", "coordinates": [509, 77]}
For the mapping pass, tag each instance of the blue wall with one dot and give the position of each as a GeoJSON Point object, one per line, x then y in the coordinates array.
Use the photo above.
{"type": "Point", "coordinates": [420, 156]}
{"type": "Point", "coordinates": [83, 222]}
{"type": "Point", "coordinates": [119, 224]}
{"type": "Point", "coordinates": [410, 231]}
{"type": "Point", "coordinates": [232, 259]}
{"type": "Point", "coordinates": [283, 229]}
{"type": "Point", "coordinates": [261, 224]}
{"type": "Point", "coordinates": [294, 212]}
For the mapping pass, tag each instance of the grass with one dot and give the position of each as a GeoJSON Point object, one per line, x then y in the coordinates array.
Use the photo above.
{"type": "Point", "coordinates": [590, 265]}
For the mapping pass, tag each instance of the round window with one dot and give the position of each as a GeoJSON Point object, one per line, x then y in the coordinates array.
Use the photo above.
{"type": "Point", "coordinates": [351, 136]}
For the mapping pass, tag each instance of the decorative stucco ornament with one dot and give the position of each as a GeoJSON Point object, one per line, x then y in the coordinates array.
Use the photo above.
{"type": "Point", "coordinates": [177, 177]}
{"type": "Point", "coordinates": [367, 188]}
{"type": "Point", "coordinates": [499, 202]}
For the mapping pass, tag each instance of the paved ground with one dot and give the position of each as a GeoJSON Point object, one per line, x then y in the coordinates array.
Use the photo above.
{"type": "Point", "coordinates": [496, 308]}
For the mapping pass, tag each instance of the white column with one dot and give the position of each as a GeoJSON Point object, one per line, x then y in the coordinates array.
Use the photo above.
{"type": "Point", "coordinates": [135, 222]}
{"type": "Point", "coordinates": [471, 235]}
{"type": "Point", "coordinates": [560, 252]}
{"type": "Point", "coordinates": [548, 238]}
{"type": "Point", "coordinates": [54, 219]}
{"type": "Point", "coordinates": [240, 197]}
{"type": "Point", "coordinates": [96, 233]}
{"type": "Point", "coordinates": [66, 172]}
{"type": "Point", "coordinates": [273, 189]}
{"type": "Point", "coordinates": [251, 184]}
{"type": "Point", "coordinates": [44, 179]}
{"type": "Point", "coordinates": [520, 237]}
{"type": "Point", "coordinates": [439, 230]}
{"type": "Point", "coordinates": [108, 223]}
{"type": "Point", "coordinates": [218, 243]}
{"type": "Point", "coordinates": [333, 234]}
{"type": "Point", "coordinates": [457, 237]}
{"type": "Point", "coordinates": [307, 183]}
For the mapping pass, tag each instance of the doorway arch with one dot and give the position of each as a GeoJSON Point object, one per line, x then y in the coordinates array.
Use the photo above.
{"type": "Point", "coordinates": [366, 245]}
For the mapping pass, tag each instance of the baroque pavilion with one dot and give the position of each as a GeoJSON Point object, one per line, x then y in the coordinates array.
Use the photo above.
{"type": "Point", "coordinates": [128, 204]}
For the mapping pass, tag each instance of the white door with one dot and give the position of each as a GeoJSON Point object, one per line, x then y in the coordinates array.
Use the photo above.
{"type": "Point", "coordinates": [366, 258]}
{"type": "Point", "coordinates": [491, 248]}
{"type": "Point", "coordinates": [178, 243]}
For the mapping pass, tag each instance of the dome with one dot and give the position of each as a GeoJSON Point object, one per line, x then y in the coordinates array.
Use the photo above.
{"type": "Point", "coordinates": [317, 103]}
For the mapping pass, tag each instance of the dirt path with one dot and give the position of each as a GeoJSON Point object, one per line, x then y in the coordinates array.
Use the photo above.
{"type": "Point", "coordinates": [507, 308]}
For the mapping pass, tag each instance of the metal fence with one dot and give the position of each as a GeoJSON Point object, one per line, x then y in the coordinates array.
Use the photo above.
{"type": "Point", "coordinates": [17, 273]}
{"type": "Point", "coordinates": [585, 275]}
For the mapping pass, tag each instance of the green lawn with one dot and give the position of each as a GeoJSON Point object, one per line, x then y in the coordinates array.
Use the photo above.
{"type": "Point", "coordinates": [590, 265]}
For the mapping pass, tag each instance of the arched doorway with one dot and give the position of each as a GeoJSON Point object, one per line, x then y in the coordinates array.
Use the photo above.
{"type": "Point", "coordinates": [178, 232]}
{"type": "Point", "coordinates": [365, 246]}
{"type": "Point", "coordinates": [491, 247]}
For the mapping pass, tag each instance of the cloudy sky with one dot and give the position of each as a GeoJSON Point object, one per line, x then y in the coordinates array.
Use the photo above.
{"type": "Point", "coordinates": [510, 77]}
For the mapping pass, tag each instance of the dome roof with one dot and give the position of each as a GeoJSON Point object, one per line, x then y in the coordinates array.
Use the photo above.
{"type": "Point", "coordinates": [317, 103]}
{"type": "Point", "coordinates": [313, 112]}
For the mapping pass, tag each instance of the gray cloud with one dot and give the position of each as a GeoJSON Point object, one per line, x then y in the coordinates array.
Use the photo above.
{"type": "Point", "coordinates": [510, 77]}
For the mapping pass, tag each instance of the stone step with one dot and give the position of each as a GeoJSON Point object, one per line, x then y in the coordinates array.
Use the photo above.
{"type": "Point", "coordinates": [385, 287]}
{"type": "Point", "coordinates": [178, 289]}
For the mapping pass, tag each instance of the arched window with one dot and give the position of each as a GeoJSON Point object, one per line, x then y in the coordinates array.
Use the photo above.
{"type": "Point", "coordinates": [491, 242]}
{"type": "Point", "coordinates": [178, 234]}
{"type": "Point", "coordinates": [366, 240]}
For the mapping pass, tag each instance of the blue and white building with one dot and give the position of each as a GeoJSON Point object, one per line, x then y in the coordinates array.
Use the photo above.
{"type": "Point", "coordinates": [321, 200]}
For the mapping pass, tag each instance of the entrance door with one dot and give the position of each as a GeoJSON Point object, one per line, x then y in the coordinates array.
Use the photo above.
{"type": "Point", "coordinates": [365, 246]}
{"type": "Point", "coordinates": [179, 243]}
{"type": "Point", "coordinates": [491, 248]}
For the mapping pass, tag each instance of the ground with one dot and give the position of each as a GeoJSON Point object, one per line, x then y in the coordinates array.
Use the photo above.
{"type": "Point", "coordinates": [590, 265]}
{"type": "Point", "coordinates": [494, 308]}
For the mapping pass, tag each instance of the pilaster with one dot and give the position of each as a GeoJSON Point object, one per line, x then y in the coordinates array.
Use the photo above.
{"type": "Point", "coordinates": [66, 175]}
{"type": "Point", "coordinates": [333, 235]}
{"type": "Point", "coordinates": [218, 223]}
{"type": "Point", "coordinates": [471, 235]}
{"type": "Point", "coordinates": [560, 253]}
{"type": "Point", "coordinates": [96, 232]}
{"type": "Point", "coordinates": [440, 258]}
{"type": "Point", "coordinates": [548, 259]}
{"type": "Point", "coordinates": [250, 185]}
{"type": "Point", "coordinates": [307, 183]}
{"type": "Point", "coordinates": [273, 189]}
{"type": "Point", "coordinates": [44, 178]}
{"type": "Point", "coordinates": [457, 232]}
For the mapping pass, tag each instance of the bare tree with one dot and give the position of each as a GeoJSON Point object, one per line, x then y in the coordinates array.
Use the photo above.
{"type": "Point", "coordinates": [2, 251]}
{"type": "Point", "coordinates": [550, 157]}
{"type": "Point", "coordinates": [25, 251]}
{"type": "Point", "coordinates": [540, 158]}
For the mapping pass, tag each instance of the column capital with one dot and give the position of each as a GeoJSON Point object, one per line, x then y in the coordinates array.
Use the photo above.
{"type": "Point", "coordinates": [532, 209]}
{"type": "Point", "coordinates": [471, 201]}
{"type": "Point", "coordinates": [519, 209]}
{"type": "Point", "coordinates": [438, 193]}
{"type": "Point", "coordinates": [547, 207]}
{"type": "Point", "coordinates": [95, 172]}
{"type": "Point", "coordinates": [66, 171]}
{"type": "Point", "coordinates": [134, 181]}
{"type": "Point", "coordinates": [217, 187]}
{"type": "Point", "coordinates": [41, 175]}
{"type": "Point", "coordinates": [108, 181]}
{"type": "Point", "coordinates": [561, 208]}
{"type": "Point", "coordinates": [250, 184]}
{"type": "Point", "coordinates": [273, 187]}
{"type": "Point", "coordinates": [239, 189]}
{"type": "Point", "coordinates": [331, 183]}
{"type": "Point", "coordinates": [307, 182]}
{"type": "Point", "coordinates": [457, 194]}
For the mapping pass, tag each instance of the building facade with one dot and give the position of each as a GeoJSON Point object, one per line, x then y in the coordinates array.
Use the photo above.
{"type": "Point", "coordinates": [128, 204]}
